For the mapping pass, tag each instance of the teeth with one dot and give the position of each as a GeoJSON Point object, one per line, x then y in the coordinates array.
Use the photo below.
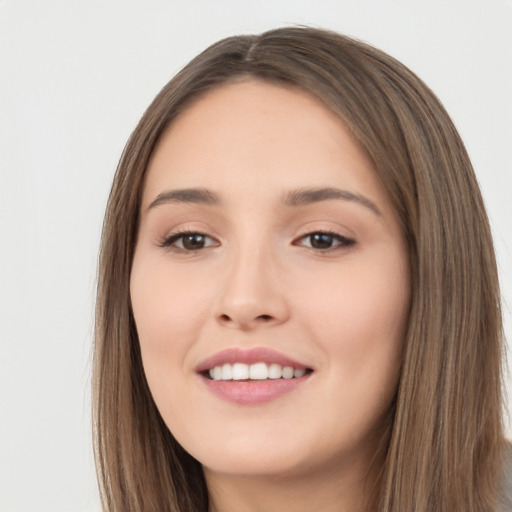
{"type": "Point", "coordinates": [240, 371]}
{"type": "Point", "coordinates": [257, 371]}
{"type": "Point", "coordinates": [287, 372]}
{"type": "Point", "coordinates": [227, 372]}
{"type": "Point", "coordinates": [275, 371]}
{"type": "Point", "coordinates": [217, 373]}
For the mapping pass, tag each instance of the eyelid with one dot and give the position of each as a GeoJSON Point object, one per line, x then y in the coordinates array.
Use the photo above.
{"type": "Point", "coordinates": [344, 242]}
{"type": "Point", "coordinates": [168, 241]}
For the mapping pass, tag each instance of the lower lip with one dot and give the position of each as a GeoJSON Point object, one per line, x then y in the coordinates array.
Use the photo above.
{"type": "Point", "coordinates": [254, 391]}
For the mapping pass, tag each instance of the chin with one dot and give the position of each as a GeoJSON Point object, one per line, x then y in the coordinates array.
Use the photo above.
{"type": "Point", "coordinates": [254, 457]}
{"type": "Point", "coordinates": [265, 458]}
{"type": "Point", "coordinates": [260, 467]}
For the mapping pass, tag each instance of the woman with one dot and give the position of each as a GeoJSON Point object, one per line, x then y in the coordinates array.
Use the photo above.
{"type": "Point", "coordinates": [298, 305]}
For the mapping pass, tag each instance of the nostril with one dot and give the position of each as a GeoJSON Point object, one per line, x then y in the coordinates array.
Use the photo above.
{"type": "Point", "coordinates": [245, 319]}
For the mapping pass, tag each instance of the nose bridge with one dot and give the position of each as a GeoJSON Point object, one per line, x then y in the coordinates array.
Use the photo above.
{"type": "Point", "coordinates": [250, 265]}
{"type": "Point", "coordinates": [251, 294]}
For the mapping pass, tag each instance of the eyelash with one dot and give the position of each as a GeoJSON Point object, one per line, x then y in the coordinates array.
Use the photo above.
{"type": "Point", "coordinates": [342, 241]}
{"type": "Point", "coordinates": [170, 241]}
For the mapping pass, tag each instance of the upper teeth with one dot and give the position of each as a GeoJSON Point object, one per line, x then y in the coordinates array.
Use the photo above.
{"type": "Point", "coordinates": [257, 371]}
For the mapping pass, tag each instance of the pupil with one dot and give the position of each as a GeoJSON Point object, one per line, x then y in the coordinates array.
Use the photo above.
{"type": "Point", "coordinates": [321, 241]}
{"type": "Point", "coordinates": [192, 242]}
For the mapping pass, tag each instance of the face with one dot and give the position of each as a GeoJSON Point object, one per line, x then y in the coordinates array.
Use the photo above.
{"type": "Point", "coordinates": [269, 286]}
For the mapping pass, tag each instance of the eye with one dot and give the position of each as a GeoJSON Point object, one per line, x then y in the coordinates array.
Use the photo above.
{"type": "Point", "coordinates": [188, 241]}
{"type": "Point", "coordinates": [324, 241]}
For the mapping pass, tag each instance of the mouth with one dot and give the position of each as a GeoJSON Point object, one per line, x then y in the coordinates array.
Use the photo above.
{"type": "Point", "coordinates": [255, 372]}
{"type": "Point", "coordinates": [252, 376]}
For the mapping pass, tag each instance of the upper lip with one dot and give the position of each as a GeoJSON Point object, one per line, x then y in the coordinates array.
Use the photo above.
{"type": "Point", "coordinates": [248, 356]}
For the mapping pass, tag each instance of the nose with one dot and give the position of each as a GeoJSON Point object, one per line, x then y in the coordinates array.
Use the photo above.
{"type": "Point", "coordinates": [252, 295]}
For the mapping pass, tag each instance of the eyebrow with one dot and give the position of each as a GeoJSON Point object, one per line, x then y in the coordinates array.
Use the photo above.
{"type": "Point", "coordinates": [186, 195]}
{"type": "Point", "coordinates": [293, 198]}
{"type": "Point", "coordinates": [306, 196]}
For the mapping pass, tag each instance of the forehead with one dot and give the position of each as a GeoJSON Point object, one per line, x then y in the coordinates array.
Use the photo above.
{"type": "Point", "coordinates": [253, 135]}
{"type": "Point", "coordinates": [257, 108]}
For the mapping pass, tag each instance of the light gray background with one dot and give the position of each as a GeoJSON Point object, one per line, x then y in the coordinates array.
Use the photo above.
{"type": "Point", "coordinates": [75, 76]}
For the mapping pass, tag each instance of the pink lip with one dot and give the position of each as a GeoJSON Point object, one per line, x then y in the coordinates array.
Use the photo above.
{"type": "Point", "coordinates": [248, 356]}
{"type": "Point", "coordinates": [253, 392]}
{"type": "Point", "coordinates": [250, 392]}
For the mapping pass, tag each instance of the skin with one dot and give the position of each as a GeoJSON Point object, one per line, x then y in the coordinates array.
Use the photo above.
{"type": "Point", "coordinates": [259, 280]}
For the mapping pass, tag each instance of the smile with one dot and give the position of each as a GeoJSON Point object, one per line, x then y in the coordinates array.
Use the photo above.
{"type": "Point", "coordinates": [257, 371]}
{"type": "Point", "coordinates": [252, 376]}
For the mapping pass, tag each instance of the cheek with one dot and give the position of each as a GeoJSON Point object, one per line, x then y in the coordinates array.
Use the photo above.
{"type": "Point", "coordinates": [169, 313]}
{"type": "Point", "coordinates": [363, 297]}
{"type": "Point", "coordinates": [364, 313]}
{"type": "Point", "coordinates": [165, 304]}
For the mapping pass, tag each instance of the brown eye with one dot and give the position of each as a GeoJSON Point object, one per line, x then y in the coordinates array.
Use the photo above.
{"type": "Point", "coordinates": [324, 241]}
{"type": "Point", "coordinates": [193, 241]}
{"type": "Point", "coordinates": [188, 242]}
{"type": "Point", "coordinates": [321, 240]}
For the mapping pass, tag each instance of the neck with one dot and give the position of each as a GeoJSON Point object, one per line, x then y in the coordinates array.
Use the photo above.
{"type": "Point", "coordinates": [326, 490]}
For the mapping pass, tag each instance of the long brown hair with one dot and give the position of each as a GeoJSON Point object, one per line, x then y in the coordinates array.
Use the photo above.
{"type": "Point", "coordinates": [445, 443]}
